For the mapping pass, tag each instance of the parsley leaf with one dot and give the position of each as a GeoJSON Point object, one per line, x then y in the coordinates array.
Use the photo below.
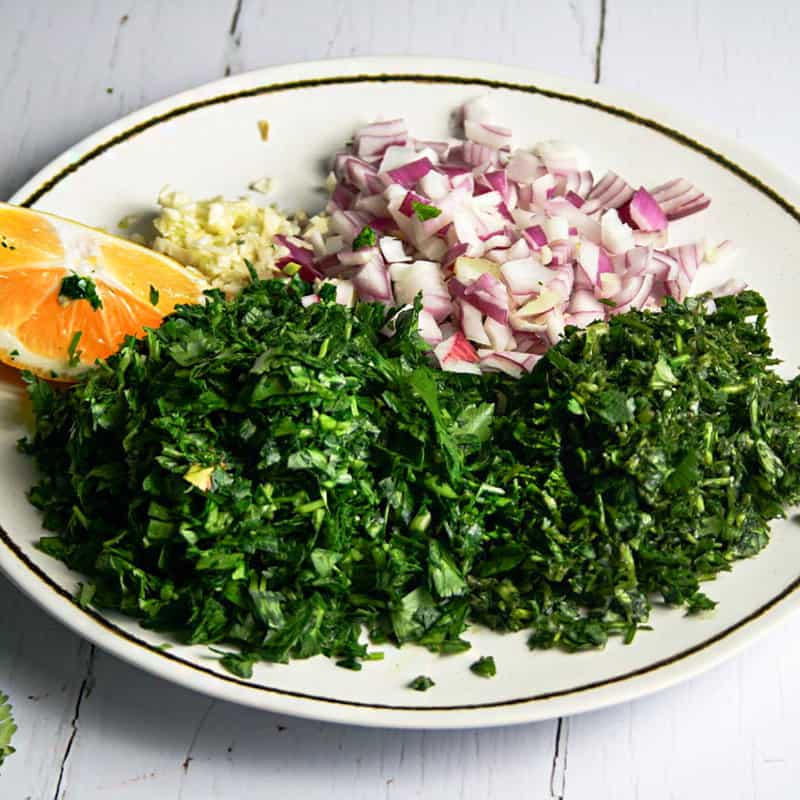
{"type": "Point", "coordinates": [80, 287]}
{"type": "Point", "coordinates": [154, 295]}
{"type": "Point", "coordinates": [366, 238]}
{"type": "Point", "coordinates": [424, 211]}
{"type": "Point", "coordinates": [421, 683]}
{"type": "Point", "coordinates": [484, 667]}
{"type": "Point", "coordinates": [72, 349]}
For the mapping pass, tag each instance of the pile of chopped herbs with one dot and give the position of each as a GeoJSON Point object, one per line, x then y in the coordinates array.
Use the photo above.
{"type": "Point", "coordinates": [280, 479]}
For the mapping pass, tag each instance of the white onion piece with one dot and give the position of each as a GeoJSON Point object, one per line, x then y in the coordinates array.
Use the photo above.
{"type": "Point", "coordinates": [610, 284]}
{"type": "Point", "coordinates": [524, 167]}
{"type": "Point", "coordinates": [357, 258]}
{"type": "Point", "coordinates": [333, 245]}
{"type": "Point", "coordinates": [556, 228]}
{"type": "Point", "coordinates": [542, 187]}
{"type": "Point", "coordinates": [373, 284]}
{"type": "Point", "coordinates": [476, 110]}
{"type": "Point", "coordinates": [428, 328]}
{"type": "Point", "coordinates": [589, 259]}
{"type": "Point", "coordinates": [373, 204]}
{"type": "Point", "coordinates": [555, 325]}
{"type": "Point", "coordinates": [487, 134]}
{"type": "Point", "coordinates": [510, 362]}
{"type": "Point", "coordinates": [635, 290]}
{"type": "Point", "coordinates": [314, 236]}
{"type": "Point", "coordinates": [392, 250]}
{"type": "Point", "coordinates": [715, 272]}
{"type": "Point", "coordinates": [397, 156]}
{"type": "Point", "coordinates": [520, 249]}
{"type": "Point", "coordinates": [526, 275]}
{"type": "Point", "coordinates": [422, 277]}
{"type": "Point", "coordinates": [616, 236]}
{"type": "Point", "coordinates": [468, 269]}
{"type": "Point", "coordinates": [435, 185]}
{"type": "Point", "coordinates": [562, 157]}
{"type": "Point", "coordinates": [433, 249]}
{"type": "Point", "coordinates": [472, 323]}
{"type": "Point", "coordinates": [583, 318]}
{"type": "Point", "coordinates": [583, 301]}
{"type": "Point", "coordinates": [501, 337]}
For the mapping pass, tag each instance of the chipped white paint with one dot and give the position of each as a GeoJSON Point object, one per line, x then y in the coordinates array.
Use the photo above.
{"type": "Point", "coordinates": [93, 728]}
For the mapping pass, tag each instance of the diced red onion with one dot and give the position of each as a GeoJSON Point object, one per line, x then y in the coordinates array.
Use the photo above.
{"type": "Point", "coordinates": [392, 249]}
{"type": "Point", "coordinates": [372, 204]}
{"type": "Point", "coordinates": [428, 328]}
{"type": "Point", "coordinates": [511, 362]}
{"type": "Point", "coordinates": [525, 242]}
{"type": "Point", "coordinates": [562, 157]}
{"type": "Point", "coordinates": [476, 154]}
{"type": "Point", "coordinates": [456, 354]}
{"type": "Point", "coordinates": [679, 198]}
{"type": "Point", "coordinates": [343, 197]}
{"type": "Point", "coordinates": [616, 236]}
{"type": "Point", "coordinates": [409, 174]}
{"type": "Point", "coordinates": [435, 185]}
{"type": "Point", "coordinates": [373, 284]}
{"type": "Point", "coordinates": [524, 167]}
{"type": "Point", "coordinates": [372, 140]}
{"type": "Point", "coordinates": [487, 134]}
{"type": "Point", "coordinates": [643, 212]}
{"type": "Point", "coordinates": [357, 258]}
{"type": "Point", "coordinates": [472, 322]}
{"type": "Point", "coordinates": [611, 192]}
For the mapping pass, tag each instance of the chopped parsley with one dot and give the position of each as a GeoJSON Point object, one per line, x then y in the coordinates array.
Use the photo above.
{"type": "Point", "coordinates": [287, 481]}
{"type": "Point", "coordinates": [421, 683]}
{"type": "Point", "coordinates": [251, 270]}
{"type": "Point", "coordinates": [72, 350]}
{"type": "Point", "coordinates": [7, 728]}
{"type": "Point", "coordinates": [485, 667]}
{"type": "Point", "coordinates": [367, 238]}
{"type": "Point", "coordinates": [154, 296]}
{"type": "Point", "coordinates": [80, 287]}
{"type": "Point", "coordinates": [425, 212]}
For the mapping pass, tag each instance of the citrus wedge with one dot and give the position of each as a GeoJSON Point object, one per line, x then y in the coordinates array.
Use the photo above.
{"type": "Point", "coordinates": [70, 294]}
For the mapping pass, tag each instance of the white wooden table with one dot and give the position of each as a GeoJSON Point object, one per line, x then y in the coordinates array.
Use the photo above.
{"type": "Point", "coordinates": [92, 727]}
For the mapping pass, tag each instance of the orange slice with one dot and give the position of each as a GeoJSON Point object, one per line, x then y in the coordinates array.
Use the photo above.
{"type": "Point", "coordinates": [39, 324]}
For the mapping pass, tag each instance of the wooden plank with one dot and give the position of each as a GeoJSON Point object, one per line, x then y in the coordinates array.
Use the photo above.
{"type": "Point", "coordinates": [59, 61]}
{"type": "Point", "coordinates": [42, 668]}
{"type": "Point", "coordinates": [140, 738]}
{"type": "Point", "coordinates": [730, 733]}
{"type": "Point", "coordinates": [730, 66]}
{"type": "Point", "coordinates": [551, 36]}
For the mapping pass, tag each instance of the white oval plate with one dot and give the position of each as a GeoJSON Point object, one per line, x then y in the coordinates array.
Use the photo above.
{"type": "Point", "coordinates": [205, 142]}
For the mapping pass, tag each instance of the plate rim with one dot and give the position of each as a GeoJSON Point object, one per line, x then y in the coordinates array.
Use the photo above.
{"type": "Point", "coordinates": [649, 678]}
